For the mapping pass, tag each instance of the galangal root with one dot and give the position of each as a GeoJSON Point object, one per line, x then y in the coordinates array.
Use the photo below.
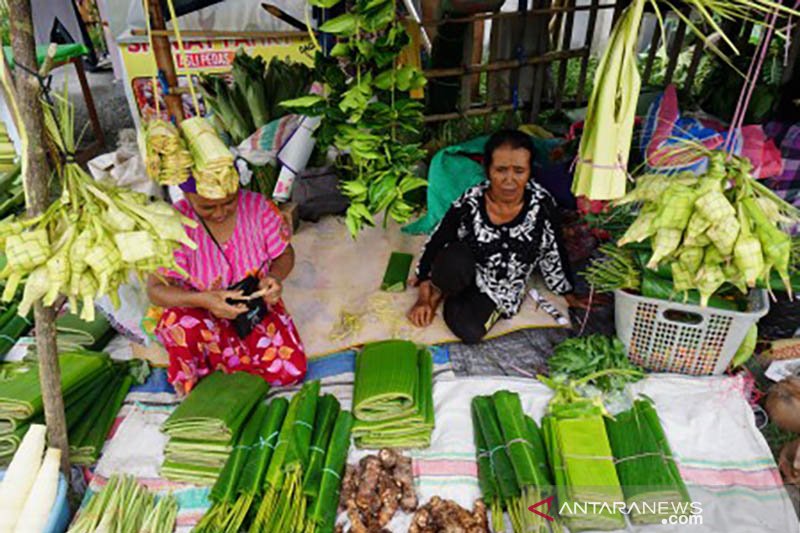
{"type": "Point", "coordinates": [446, 516]}
{"type": "Point", "coordinates": [373, 491]}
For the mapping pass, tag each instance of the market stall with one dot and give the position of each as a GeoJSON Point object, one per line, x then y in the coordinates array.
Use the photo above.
{"type": "Point", "coordinates": [306, 379]}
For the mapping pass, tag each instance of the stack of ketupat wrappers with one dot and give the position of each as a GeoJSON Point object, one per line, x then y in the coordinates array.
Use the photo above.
{"type": "Point", "coordinates": [204, 427]}
{"type": "Point", "coordinates": [393, 396]}
{"type": "Point", "coordinates": [8, 155]}
{"type": "Point", "coordinates": [213, 168]}
{"type": "Point", "coordinates": [168, 162]}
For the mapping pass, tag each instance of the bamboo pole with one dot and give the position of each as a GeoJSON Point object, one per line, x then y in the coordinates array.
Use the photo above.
{"type": "Point", "coordinates": [513, 14]}
{"type": "Point", "coordinates": [162, 51]}
{"type": "Point", "coordinates": [506, 64]}
{"type": "Point", "coordinates": [28, 101]}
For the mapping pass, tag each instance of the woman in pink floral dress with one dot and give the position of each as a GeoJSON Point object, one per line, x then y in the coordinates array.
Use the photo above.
{"type": "Point", "coordinates": [236, 236]}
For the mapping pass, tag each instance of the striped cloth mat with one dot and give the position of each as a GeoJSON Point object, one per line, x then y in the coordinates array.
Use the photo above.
{"type": "Point", "coordinates": [136, 445]}
{"type": "Point", "coordinates": [724, 459]}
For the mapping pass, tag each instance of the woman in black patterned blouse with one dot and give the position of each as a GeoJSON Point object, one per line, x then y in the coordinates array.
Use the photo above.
{"type": "Point", "coordinates": [480, 257]}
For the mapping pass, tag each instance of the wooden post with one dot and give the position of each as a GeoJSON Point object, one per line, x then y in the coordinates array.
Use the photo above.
{"type": "Point", "coordinates": [36, 176]}
{"type": "Point", "coordinates": [162, 50]}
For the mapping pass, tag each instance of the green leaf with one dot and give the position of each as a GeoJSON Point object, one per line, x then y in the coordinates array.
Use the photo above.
{"type": "Point", "coordinates": [342, 25]}
{"type": "Point", "coordinates": [303, 101]}
{"type": "Point", "coordinates": [411, 183]}
{"type": "Point", "coordinates": [324, 4]}
{"type": "Point", "coordinates": [340, 50]}
{"type": "Point", "coordinates": [385, 80]}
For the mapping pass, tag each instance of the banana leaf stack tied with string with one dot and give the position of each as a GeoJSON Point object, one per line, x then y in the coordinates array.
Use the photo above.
{"type": "Point", "coordinates": [513, 473]}
{"type": "Point", "coordinates": [283, 507]}
{"type": "Point", "coordinates": [205, 427]}
{"type": "Point", "coordinates": [393, 396]}
{"type": "Point", "coordinates": [587, 486]}
{"type": "Point", "coordinates": [223, 493]}
{"type": "Point", "coordinates": [284, 473]}
{"type": "Point", "coordinates": [645, 465]}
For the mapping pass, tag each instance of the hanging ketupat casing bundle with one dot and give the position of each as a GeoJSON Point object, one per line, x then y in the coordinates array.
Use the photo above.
{"type": "Point", "coordinates": [601, 170]}
{"type": "Point", "coordinates": [78, 246]}
{"type": "Point", "coordinates": [393, 396]}
{"type": "Point", "coordinates": [213, 168]}
{"type": "Point", "coordinates": [167, 160]}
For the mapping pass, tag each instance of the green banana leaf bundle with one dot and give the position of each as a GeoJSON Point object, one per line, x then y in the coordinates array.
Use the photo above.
{"type": "Point", "coordinates": [187, 473]}
{"type": "Point", "coordinates": [21, 396]}
{"type": "Point", "coordinates": [78, 401]}
{"type": "Point", "coordinates": [393, 396]}
{"type": "Point", "coordinates": [645, 465]}
{"type": "Point", "coordinates": [88, 435]}
{"type": "Point", "coordinates": [12, 327]}
{"type": "Point", "coordinates": [216, 408]}
{"type": "Point", "coordinates": [223, 493]}
{"type": "Point", "coordinates": [513, 473]}
{"type": "Point", "coordinates": [204, 428]}
{"type": "Point", "coordinates": [283, 506]}
{"type": "Point", "coordinates": [584, 472]}
{"type": "Point", "coordinates": [254, 96]}
{"type": "Point", "coordinates": [322, 509]}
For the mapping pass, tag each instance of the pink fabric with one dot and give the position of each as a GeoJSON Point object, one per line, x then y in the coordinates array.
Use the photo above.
{"type": "Point", "coordinates": [762, 152]}
{"type": "Point", "coordinates": [260, 235]}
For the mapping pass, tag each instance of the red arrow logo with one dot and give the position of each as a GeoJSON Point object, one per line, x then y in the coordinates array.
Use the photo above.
{"type": "Point", "coordinates": [549, 502]}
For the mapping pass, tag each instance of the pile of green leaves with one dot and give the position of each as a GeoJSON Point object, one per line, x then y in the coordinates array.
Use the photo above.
{"type": "Point", "coordinates": [578, 358]}
{"type": "Point", "coordinates": [367, 113]}
{"type": "Point", "coordinates": [254, 97]}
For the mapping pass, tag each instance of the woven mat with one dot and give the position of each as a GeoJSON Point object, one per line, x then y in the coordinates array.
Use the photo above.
{"type": "Point", "coordinates": [335, 274]}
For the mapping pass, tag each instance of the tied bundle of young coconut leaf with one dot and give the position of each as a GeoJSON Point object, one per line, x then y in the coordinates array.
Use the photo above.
{"type": "Point", "coordinates": [205, 427]}
{"type": "Point", "coordinates": [645, 465]}
{"type": "Point", "coordinates": [393, 396]}
{"type": "Point", "coordinates": [91, 239]}
{"type": "Point", "coordinates": [125, 506]}
{"type": "Point", "coordinates": [615, 269]}
{"type": "Point", "coordinates": [512, 466]}
{"type": "Point", "coordinates": [322, 508]}
{"type": "Point", "coordinates": [283, 507]}
{"type": "Point", "coordinates": [250, 484]}
{"type": "Point", "coordinates": [602, 162]}
{"type": "Point", "coordinates": [722, 228]}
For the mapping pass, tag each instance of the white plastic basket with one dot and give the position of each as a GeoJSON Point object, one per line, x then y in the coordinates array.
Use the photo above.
{"type": "Point", "coordinates": [666, 336]}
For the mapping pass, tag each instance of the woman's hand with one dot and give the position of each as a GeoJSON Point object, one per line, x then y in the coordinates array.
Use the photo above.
{"type": "Point", "coordinates": [421, 314]}
{"type": "Point", "coordinates": [424, 310]}
{"type": "Point", "coordinates": [272, 288]}
{"type": "Point", "coordinates": [215, 302]}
